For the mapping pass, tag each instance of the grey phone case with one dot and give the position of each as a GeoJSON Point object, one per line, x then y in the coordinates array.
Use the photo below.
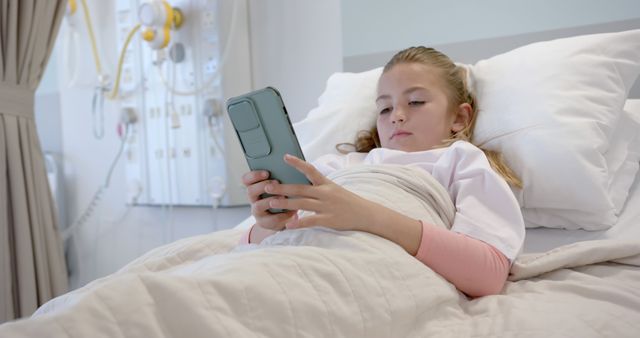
{"type": "Point", "coordinates": [266, 135]}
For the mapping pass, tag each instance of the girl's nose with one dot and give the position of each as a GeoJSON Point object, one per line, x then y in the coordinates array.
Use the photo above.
{"type": "Point", "coordinates": [397, 115]}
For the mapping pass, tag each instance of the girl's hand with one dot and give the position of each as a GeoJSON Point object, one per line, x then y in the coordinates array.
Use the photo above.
{"type": "Point", "coordinates": [255, 181]}
{"type": "Point", "coordinates": [334, 206]}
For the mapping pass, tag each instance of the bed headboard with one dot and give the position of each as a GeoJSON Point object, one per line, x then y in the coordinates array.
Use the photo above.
{"type": "Point", "coordinates": [473, 51]}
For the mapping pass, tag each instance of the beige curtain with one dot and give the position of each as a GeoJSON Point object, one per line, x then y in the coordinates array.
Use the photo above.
{"type": "Point", "coordinates": [32, 266]}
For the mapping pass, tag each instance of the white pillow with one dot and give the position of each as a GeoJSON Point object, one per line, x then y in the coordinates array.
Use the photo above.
{"type": "Point", "coordinates": [623, 156]}
{"type": "Point", "coordinates": [347, 106]}
{"type": "Point", "coordinates": [550, 107]}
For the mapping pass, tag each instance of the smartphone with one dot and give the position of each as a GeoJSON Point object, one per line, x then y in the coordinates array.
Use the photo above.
{"type": "Point", "coordinates": [263, 127]}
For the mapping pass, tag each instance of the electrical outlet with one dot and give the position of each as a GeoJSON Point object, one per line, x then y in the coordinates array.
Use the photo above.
{"type": "Point", "coordinates": [208, 19]}
{"type": "Point", "coordinates": [210, 67]}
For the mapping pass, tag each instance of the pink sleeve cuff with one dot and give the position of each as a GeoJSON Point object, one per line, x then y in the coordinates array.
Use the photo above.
{"type": "Point", "coordinates": [473, 266]}
{"type": "Point", "coordinates": [246, 236]}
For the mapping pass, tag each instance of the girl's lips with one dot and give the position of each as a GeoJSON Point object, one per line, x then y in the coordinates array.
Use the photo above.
{"type": "Point", "coordinates": [400, 133]}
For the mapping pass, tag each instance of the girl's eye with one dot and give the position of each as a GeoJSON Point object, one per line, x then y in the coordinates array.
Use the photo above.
{"type": "Point", "coordinates": [384, 111]}
{"type": "Point", "coordinates": [416, 103]}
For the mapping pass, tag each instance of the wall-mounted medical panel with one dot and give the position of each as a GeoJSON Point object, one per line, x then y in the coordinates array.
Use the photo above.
{"type": "Point", "coordinates": [176, 152]}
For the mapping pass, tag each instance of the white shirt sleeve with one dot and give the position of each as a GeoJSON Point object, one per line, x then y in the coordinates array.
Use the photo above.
{"type": "Point", "coordinates": [486, 208]}
{"type": "Point", "coordinates": [329, 163]}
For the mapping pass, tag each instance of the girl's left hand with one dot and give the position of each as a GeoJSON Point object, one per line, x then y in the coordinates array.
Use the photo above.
{"type": "Point", "coordinates": [333, 206]}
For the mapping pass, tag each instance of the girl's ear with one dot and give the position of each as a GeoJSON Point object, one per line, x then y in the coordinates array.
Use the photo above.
{"type": "Point", "coordinates": [462, 117]}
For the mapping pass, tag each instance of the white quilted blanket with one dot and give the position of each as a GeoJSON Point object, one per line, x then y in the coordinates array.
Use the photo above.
{"type": "Point", "coordinates": [323, 283]}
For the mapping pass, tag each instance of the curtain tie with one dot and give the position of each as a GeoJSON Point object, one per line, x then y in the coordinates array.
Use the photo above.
{"type": "Point", "coordinates": [17, 101]}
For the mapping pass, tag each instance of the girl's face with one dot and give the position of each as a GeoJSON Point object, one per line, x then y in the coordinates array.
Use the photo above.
{"type": "Point", "coordinates": [413, 107]}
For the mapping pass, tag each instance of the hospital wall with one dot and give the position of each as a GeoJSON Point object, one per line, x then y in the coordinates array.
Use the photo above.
{"type": "Point", "coordinates": [295, 46]}
{"type": "Point", "coordinates": [443, 22]}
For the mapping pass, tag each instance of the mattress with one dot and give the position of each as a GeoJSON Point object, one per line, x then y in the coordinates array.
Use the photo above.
{"type": "Point", "coordinates": [627, 227]}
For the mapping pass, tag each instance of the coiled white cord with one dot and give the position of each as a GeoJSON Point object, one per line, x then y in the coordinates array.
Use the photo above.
{"type": "Point", "coordinates": [95, 200]}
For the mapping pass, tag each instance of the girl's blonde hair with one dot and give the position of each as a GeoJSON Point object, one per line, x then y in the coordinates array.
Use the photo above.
{"type": "Point", "coordinates": [454, 78]}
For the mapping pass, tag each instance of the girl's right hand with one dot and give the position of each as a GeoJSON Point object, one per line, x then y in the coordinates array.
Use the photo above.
{"type": "Point", "coordinates": [255, 181]}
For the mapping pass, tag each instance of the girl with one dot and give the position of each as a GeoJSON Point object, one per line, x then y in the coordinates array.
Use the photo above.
{"type": "Point", "coordinates": [426, 119]}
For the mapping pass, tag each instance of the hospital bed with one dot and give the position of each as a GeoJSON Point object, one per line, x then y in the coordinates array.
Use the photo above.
{"type": "Point", "coordinates": [577, 277]}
